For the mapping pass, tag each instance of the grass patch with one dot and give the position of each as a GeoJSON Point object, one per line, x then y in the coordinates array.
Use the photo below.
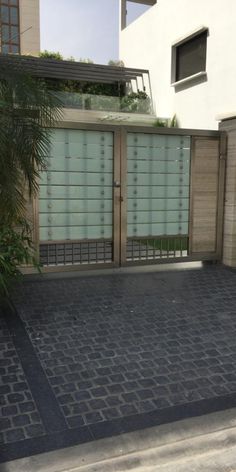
{"type": "Point", "coordinates": [168, 244]}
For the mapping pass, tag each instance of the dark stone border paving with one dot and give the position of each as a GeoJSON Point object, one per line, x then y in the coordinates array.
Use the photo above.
{"type": "Point", "coordinates": [76, 436]}
{"type": "Point", "coordinates": [59, 434]}
{"type": "Point", "coordinates": [50, 413]}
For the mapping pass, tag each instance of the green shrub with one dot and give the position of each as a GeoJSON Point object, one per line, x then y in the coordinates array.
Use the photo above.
{"type": "Point", "coordinates": [28, 111]}
{"type": "Point", "coordinates": [165, 123]}
{"type": "Point", "coordinates": [16, 249]}
{"type": "Point", "coordinates": [138, 102]}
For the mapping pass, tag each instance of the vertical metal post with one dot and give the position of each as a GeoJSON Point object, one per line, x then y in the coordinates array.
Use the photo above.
{"type": "Point", "coordinates": [150, 93]}
{"type": "Point", "coordinates": [116, 197]}
{"type": "Point", "coordinates": [221, 194]}
{"type": "Point", "coordinates": [35, 204]}
{"type": "Point", "coordinates": [191, 195]}
{"type": "Point", "coordinates": [123, 196]}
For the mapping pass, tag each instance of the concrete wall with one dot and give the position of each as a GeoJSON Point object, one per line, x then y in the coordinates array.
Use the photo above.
{"type": "Point", "coordinates": [147, 43]}
{"type": "Point", "coordinates": [29, 16]}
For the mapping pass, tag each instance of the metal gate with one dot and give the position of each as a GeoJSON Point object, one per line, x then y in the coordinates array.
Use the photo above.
{"type": "Point", "coordinates": [114, 196]}
{"type": "Point", "coordinates": [158, 188]}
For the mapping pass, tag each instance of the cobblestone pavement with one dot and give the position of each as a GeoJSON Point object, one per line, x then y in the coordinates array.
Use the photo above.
{"type": "Point", "coordinates": [19, 417]}
{"type": "Point", "coordinates": [94, 356]}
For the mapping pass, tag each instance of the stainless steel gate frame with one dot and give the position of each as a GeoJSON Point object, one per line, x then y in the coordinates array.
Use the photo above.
{"type": "Point", "coordinates": [119, 256]}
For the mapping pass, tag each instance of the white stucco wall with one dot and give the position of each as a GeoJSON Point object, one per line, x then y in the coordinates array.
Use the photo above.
{"type": "Point", "coordinates": [147, 42]}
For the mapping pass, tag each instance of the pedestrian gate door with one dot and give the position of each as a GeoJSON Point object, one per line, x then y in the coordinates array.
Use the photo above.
{"type": "Point", "coordinates": [123, 195]}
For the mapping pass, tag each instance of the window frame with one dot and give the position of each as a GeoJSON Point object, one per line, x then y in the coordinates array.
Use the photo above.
{"type": "Point", "coordinates": [15, 42]}
{"type": "Point", "coordinates": [174, 57]}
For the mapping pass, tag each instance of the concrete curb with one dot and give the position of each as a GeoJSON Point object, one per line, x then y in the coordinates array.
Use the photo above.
{"type": "Point", "coordinates": [205, 443]}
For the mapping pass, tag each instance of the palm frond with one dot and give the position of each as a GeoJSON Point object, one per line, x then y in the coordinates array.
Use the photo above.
{"type": "Point", "coordinates": [28, 112]}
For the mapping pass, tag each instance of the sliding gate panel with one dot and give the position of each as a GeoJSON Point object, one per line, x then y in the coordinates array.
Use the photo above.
{"type": "Point", "coordinates": [158, 193]}
{"type": "Point", "coordinates": [76, 199]}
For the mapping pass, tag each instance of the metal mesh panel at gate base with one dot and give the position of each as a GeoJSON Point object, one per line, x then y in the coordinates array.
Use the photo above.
{"type": "Point", "coordinates": [146, 249]}
{"type": "Point", "coordinates": [76, 253]}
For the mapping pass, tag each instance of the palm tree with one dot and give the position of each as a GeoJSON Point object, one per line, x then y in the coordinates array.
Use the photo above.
{"type": "Point", "coordinates": [28, 111]}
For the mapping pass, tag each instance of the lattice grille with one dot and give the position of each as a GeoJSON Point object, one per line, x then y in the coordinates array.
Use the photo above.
{"type": "Point", "coordinates": [146, 249]}
{"type": "Point", "coordinates": [76, 253]}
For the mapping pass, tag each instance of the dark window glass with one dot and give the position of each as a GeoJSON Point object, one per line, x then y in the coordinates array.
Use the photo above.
{"type": "Point", "coordinates": [14, 34]}
{"type": "Point", "coordinates": [15, 49]}
{"type": "Point", "coordinates": [5, 33]}
{"type": "Point", "coordinates": [5, 48]}
{"type": "Point", "coordinates": [191, 57]}
{"type": "Point", "coordinates": [4, 14]}
{"type": "Point", "coordinates": [9, 18]}
{"type": "Point", "coordinates": [14, 15]}
{"type": "Point", "coordinates": [15, 3]}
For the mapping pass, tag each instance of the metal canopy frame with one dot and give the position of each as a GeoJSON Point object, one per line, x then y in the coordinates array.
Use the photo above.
{"type": "Point", "coordinates": [71, 70]}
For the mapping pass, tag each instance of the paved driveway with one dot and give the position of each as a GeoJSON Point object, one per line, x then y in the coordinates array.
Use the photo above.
{"type": "Point", "coordinates": [90, 357]}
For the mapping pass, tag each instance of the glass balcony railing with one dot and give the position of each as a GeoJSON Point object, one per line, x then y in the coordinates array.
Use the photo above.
{"type": "Point", "coordinates": [127, 104]}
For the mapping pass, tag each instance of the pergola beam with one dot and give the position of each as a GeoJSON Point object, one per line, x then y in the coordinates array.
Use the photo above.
{"type": "Point", "coordinates": [71, 70]}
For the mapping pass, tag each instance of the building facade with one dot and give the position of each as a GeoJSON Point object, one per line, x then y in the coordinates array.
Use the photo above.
{"type": "Point", "coordinates": [187, 47]}
{"type": "Point", "coordinates": [19, 27]}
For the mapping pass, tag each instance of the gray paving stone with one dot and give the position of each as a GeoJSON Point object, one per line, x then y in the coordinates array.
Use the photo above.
{"type": "Point", "coordinates": [15, 435]}
{"type": "Point", "coordinates": [21, 420]}
{"type": "Point", "coordinates": [75, 421]}
{"type": "Point", "coordinates": [34, 430]}
{"type": "Point", "coordinates": [4, 424]}
{"type": "Point", "coordinates": [14, 391]}
{"type": "Point", "coordinates": [128, 409]}
{"type": "Point", "coordinates": [94, 417]}
{"type": "Point", "coordinates": [119, 345]}
{"type": "Point", "coordinates": [111, 413]}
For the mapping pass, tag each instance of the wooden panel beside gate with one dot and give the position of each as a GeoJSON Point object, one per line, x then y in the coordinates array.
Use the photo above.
{"type": "Point", "coordinates": [206, 215]}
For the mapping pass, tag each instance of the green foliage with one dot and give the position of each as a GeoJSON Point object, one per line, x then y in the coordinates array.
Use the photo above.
{"type": "Point", "coordinates": [27, 113]}
{"type": "Point", "coordinates": [180, 244]}
{"type": "Point", "coordinates": [57, 56]}
{"type": "Point", "coordinates": [116, 63]}
{"type": "Point", "coordinates": [73, 86]}
{"type": "Point", "coordinates": [162, 123]}
{"type": "Point", "coordinates": [174, 122]}
{"type": "Point", "coordinates": [86, 60]}
{"type": "Point", "coordinates": [16, 249]}
{"type": "Point", "coordinates": [136, 102]}
{"type": "Point", "coordinates": [51, 55]}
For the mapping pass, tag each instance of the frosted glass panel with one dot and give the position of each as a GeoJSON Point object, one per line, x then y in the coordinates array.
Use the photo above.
{"type": "Point", "coordinates": [158, 184]}
{"type": "Point", "coordinates": [76, 190]}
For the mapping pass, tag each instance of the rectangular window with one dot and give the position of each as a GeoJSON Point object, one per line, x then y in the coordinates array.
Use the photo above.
{"type": "Point", "coordinates": [5, 34]}
{"type": "Point", "coordinates": [4, 14]}
{"type": "Point", "coordinates": [14, 15]}
{"type": "Point", "coordinates": [9, 16]}
{"type": "Point", "coordinates": [190, 56]}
